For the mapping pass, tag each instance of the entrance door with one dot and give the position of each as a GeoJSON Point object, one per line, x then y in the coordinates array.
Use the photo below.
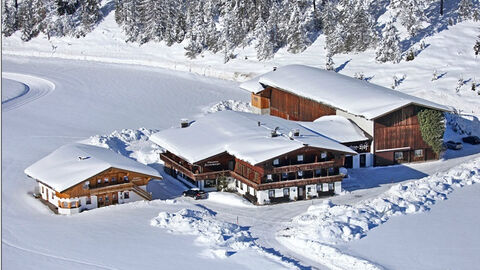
{"type": "Point", "coordinates": [301, 193]}
{"type": "Point", "coordinates": [114, 198]}
{"type": "Point", "coordinates": [348, 162]}
{"type": "Point", "coordinates": [363, 160]}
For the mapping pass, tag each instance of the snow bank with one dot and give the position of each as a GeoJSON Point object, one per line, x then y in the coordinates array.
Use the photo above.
{"type": "Point", "coordinates": [130, 143]}
{"type": "Point", "coordinates": [221, 239]}
{"type": "Point", "coordinates": [326, 224]}
{"type": "Point", "coordinates": [231, 105]}
{"type": "Point", "coordinates": [228, 199]}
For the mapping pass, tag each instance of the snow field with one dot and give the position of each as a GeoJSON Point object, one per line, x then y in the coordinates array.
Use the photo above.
{"type": "Point", "coordinates": [218, 239]}
{"type": "Point", "coordinates": [329, 224]}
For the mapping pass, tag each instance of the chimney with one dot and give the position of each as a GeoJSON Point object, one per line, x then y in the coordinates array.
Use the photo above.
{"type": "Point", "coordinates": [296, 132]}
{"type": "Point", "coordinates": [258, 123]}
{"type": "Point", "coordinates": [274, 133]}
{"type": "Point", "coordinates": [290, 135]}
{"type": "Point", "coordinates": [274, 68]}
{"type": "Point", "coordinates": [184, 123]}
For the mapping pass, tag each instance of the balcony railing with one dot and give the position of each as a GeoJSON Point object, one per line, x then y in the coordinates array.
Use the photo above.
{"type": "Point", "coordinates": [192, 175]}
{"type": "Point", "coordinates": [304, 167]}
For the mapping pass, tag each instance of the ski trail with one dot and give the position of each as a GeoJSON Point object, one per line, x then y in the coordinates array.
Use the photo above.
{"type": "Point", "coordinates": [35, 88]}
{"type": "Point", "coordinates": [57, 257]}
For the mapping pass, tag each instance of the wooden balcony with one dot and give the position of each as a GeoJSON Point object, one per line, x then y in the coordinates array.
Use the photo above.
{"type": "Point", "coordinates": [111, 188]}
{"type": "Point", "coordinates": [194, 176]}
{"type": "Point", "coordinates": [301, 182]}
{"type": "Point", "coordinates": [307, 166]}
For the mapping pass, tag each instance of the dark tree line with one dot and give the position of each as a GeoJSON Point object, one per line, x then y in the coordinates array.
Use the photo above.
{"type": "Point", "coordinates": [222, 26]}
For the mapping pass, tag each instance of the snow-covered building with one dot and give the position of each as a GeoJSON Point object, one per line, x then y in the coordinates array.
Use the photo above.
{"type": "Point", "coordinates": [77, 176]}
{"type": "Point", "coordinates": [389, 117]}
{"type": "Point", "coordinates": [265, 158]}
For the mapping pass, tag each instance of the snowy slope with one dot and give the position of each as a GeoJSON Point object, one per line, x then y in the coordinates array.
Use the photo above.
{"type": "Point", "coordinates": [449, 51]}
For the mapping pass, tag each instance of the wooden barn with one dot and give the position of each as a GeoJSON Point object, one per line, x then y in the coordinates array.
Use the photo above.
{"type": "Point", "coordinates": [389, 117]}
{"type": "Point", "coordinates": [78, 177]}
{"type": "Point", "coordinates": [266, 159]}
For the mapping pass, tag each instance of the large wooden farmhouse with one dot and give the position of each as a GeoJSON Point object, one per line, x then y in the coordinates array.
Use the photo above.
{"type": "Point", "coordinates": [389, 117]}
{"type": "Point", "coordinates": [265, 158]}
{"type": "Point", "coordinates": [76, 177]}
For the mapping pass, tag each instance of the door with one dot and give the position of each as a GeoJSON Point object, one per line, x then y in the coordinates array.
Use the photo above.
{"type": "Point", "coordinates": [301, 193]}
{"type": "Point", "coordinates": [363, 160]}
{"type": "Point", "coordinates": [348, 162]}
{"type": "Point", "coordinates": [114, 198]}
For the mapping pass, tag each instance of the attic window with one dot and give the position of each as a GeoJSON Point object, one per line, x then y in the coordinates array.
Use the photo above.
{"type": "Point", "coordinates": [83, 158]}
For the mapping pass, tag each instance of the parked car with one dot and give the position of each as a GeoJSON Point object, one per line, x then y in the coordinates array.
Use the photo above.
{"type": "Point", "coordinates": [471, 139]}
{"type": "Point", "coordinates": [454, 145]}
{"type": "Point", "coordinates": [195, 193]}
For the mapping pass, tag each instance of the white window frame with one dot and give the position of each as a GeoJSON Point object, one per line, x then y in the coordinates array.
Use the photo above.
{"type": "Point", "coordinates": [300, 158]}
{"type": "Point", "coordinates": [276, 162]}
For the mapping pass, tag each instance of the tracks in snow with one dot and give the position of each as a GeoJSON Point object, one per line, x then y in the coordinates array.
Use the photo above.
{"type": "Point", "coordinates": [36, 88]}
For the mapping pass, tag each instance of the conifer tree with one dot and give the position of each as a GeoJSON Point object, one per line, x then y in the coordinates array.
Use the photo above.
{"type": "Point", "coordinates": [465, 9]}
{"type": "Point", "coordinates": [9, 19]}
{"type": "Point", "coordinates": [31, 15]}
{"type": "Point", "coordinates": [389, 47]}
{"type": "Point", "coordinates": [90, 15]}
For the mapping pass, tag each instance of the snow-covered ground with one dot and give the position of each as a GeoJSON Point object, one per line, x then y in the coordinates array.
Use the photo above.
{"type": "Point", "coordinates": [106, 105]}
{"type": "Point", "coordinates": [118, 95]}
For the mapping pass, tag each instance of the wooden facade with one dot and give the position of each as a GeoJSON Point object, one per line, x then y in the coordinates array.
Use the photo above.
{"type": "Point", "coordinates": [396, 135]}
{"type": "Point", "coordinates": [291, 107]}
{"type": "Point", "coordinates": [315, 166]}
{"type": "Point", "coordinates": [398, 138]}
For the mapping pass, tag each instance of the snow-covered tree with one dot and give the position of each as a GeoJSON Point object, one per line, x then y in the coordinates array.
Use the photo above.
{"type": "Point", "coordinates": [329, 18]}
{"type": "Point", "coordinates": [31, 15]}
{"type": "Point", "coordinates": [90, 15]}
{"type": "Point", "coordinates": [297, 32]}
{"type": "Point", "coordinates": [465, 9]}
{"type": "Point", "coordinates": [9, 18]}
{"type": "Point", "coordinates": [389, 47]}
{"type": "Point", "coordinates": [476, 47]}
{"type": "Point", "coordinates": [329, 65]}
{"type": "Point", "coordinates": [132, 20]}
{"type": "Point", "coordinates": [411, 14]}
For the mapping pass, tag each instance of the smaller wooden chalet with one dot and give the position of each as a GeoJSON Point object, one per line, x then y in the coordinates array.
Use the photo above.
{"type": "Point", "coordinates": [78, 177]}
{"type": "Point", "coordinates": [267, 159]}
{"type": "Point", "coordinates": [389, 117]}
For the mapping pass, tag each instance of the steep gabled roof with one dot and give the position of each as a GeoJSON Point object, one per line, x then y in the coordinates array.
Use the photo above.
{"type": "Point", "coordinates": [240, 135]}
{"type": "Point", "coordinates": [73, 163]}
{"type": "Point", "coordinates": [348, 94]}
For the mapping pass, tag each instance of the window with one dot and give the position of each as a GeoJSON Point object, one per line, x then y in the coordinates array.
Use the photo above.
{"type": "Point", "coordinates": [114, 197]}
{"type": "Point", "coordinates": [331, 187]}
{"type": "Point", "coordinates": [269, 178]}
{"type": "Point", "coordinates": [398, 155]}
{"type": "Point", "coordinates": [323, 155]}
{"type": "Point", "coordinates": [276, 162]}
{"type": "Point", "coordinates": [236, 183]}
{"type": "Point", "coordinates": [284, 176]}
{"type": "Point", "coordinates": [419, 153]}
{"type": "Point", "coordinates": [100, 200]}
{"type": "Point", "coordinates": [99, 181]}
{"type": "Point", "coordinates": [114, 179]}
{"type": "Point", "coordinates": [318, 172]}
{"type": "Point", "coordinates": [106, 198]}
{"type": "Point", "coordinates": [125, 178]}
{"type": "Point", "coordinates": [300, 174]}
{"type": "Point", "coordinates": [65, 205]}
{"type": "Point", "coordinates": [53, 195]}
{"type": "Point", "coordinates": [299, 158]}
{"type": "Point", "coordinates": [86, 185]}
{"type": "Point", "coordinates": [89, 200]}
{"type": "Point", "coordinates": [286, 192]}
{"type": "Point", "coordinates": [106, 180]}
{"type": "Point", "coordinates": [43, 191]}
{"type": "Point", "coordinates": [319, 187]}
{"type": "Point", "coordinates": [271, 193]}
{"type": "Point", "coordinates": [126, 195]}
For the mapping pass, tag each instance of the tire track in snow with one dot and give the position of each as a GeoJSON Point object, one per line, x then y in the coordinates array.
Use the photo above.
{"type": "Point", "coordinates": [36, 88]}
{"type": "Point", "coordinates": [57, 257]}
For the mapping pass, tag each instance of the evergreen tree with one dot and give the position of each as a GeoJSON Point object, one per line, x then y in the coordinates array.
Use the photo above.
{"type": "Point", "coordinates": [329, 17]}
{"type": "Point", "coordinates": [329, 65]}
{"type": "Point", "coordinates": [476, 47]}
{"type": "Point", "coordinates": [465, 9]}
{"type": "Point", "coordinates": [9, 19]}
{"type": "Point", "coordinates": [411, 14]}
{"type": "Point", "coordinates": [297, 35]}
{"type": "Point", "coordinates": [389, 48]}
{"type": "Point", "coordinates": [132, 20]}
{"type": "Point", "coordinates": [31, 15]}
{"type": "Point", "coordinates": [90, 15]}
{"type": "Point", "coordinates": [432, 128]}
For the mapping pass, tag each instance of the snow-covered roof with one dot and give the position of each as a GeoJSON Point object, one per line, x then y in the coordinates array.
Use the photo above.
{"type": "Point", "coordinates": [337, 128]}
{"type": "Point", "coordinates": [348, 94]}
{"type": "Point", "coordinates": [238, 133]}
{"type": "Point", "coordinates": [73, 163]}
